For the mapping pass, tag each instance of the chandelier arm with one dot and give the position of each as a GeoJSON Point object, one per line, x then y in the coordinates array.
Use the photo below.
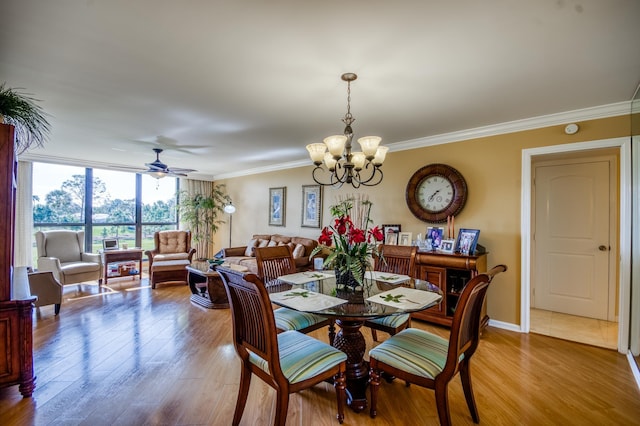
{"type": "Point", "coordinates": [368, 182]}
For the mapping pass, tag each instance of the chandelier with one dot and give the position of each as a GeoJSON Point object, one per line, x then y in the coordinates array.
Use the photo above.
{"type": "Point", "coordinates": [344, 166]}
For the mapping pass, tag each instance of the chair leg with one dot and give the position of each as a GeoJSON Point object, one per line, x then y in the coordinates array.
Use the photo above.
{"type": "Point", "coordinates": [465, 377]}
{"type": "Point", "coordinates": [243, 392]}
{"type": "Point", "coordinates": [339, 382]}
{"type": "Point", "coordinates": [282, 405]}
{"type": "Point", "coordinates": [374, 384]}
{"type": "Point", "coordinates": [442, 402]}
{"type": "Point", "coordinates": [57, 308]}
{"type": "Point", "coordinates": [374, 334]}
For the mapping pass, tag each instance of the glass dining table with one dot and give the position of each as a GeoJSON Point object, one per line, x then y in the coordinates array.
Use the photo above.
{"type": "Point", "coordinates": [381, 295]}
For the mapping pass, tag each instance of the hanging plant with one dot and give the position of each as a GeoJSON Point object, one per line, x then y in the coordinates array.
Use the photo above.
{"type": "Point", "coordinates": [22, 111]}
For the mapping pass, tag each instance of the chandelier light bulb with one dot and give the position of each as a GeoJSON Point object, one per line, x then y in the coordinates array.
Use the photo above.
{"type": "Point", "coordinates": [335, 144]}
{"type": "Point", "coordinates": [358, 159]}
{"type": "Point", "coordinates": [381, 153]}
{"type": "Point", "coordinates": [369, 145]}
{"type": "Point", "coordinates": [329, 161]}
{"type": "Point", "coordinates": [316, 152]}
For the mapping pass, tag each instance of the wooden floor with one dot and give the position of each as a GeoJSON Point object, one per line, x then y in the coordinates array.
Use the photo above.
{"type": "Point", "coordinates": [137, 356]}
{"type": "Point", "coordinates": [575, 328]}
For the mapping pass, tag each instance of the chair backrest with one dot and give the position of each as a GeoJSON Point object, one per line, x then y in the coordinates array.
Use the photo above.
{"type": "Point", "coordinates": [62, 244]}
{"type": "Point", "coordinates": [274, 262]}
{"type": "Point", "coordinates": [465, 327]}
{"type": "Point", "coordinates": [396, 259]}
{"type": "Point", "coordinates": [254, 326]}
{"type": "Point", "coordinates": [172, 241]}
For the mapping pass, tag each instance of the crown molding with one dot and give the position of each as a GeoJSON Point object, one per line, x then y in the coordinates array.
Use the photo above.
{"type": "Point", "coordinates": [592, 113]}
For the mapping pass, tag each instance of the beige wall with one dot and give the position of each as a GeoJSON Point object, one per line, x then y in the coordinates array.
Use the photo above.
{"type": "Point", "coordinates": [491, 167]}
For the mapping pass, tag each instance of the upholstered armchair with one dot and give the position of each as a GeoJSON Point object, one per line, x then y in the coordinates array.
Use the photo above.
{"type": "Point", "coordinates": [48, 290]}
{"type": "Point", "coordinates": [62, 253]}
{"type": "Point", "coordinates": [171, 245]}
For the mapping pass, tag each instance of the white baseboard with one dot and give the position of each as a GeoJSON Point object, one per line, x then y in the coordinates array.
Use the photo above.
{"type": "Point", "coordinates": [634, 367]}
{"type": "Point", "coordinates": [505, 325]}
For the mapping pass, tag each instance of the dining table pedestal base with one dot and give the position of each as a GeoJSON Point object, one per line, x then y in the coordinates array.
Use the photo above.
{"type": "Point", "coordinates": [351, 341]}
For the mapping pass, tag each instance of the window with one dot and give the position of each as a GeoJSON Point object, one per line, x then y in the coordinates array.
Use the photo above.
{"type": "Point", "coordinates": [122, 205]}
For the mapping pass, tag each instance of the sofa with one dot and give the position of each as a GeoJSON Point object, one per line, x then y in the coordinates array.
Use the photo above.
{"type": "Point", "coordinates": [245, 256]}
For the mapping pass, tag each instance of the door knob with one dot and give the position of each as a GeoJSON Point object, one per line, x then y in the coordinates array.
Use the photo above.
{"type": "Point", "coordinates": [602, 248]}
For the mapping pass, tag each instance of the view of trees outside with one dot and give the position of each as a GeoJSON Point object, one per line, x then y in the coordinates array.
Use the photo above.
{"type": "Point", "coordinates": [59, 203]}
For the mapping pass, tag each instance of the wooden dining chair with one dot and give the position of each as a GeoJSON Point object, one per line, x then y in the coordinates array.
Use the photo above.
{"type": "Point", "coordinates": [274, 262]}
{"type": "Point", "coordinates": [427, 360]}
{"type": "Point", "coordinates": [289, 361]}
{"type": "Point", "coordinates": [394, 260]}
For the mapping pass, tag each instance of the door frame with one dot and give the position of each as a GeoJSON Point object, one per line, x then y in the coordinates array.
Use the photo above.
{"type": "Point", "coordinates": [624, 221]}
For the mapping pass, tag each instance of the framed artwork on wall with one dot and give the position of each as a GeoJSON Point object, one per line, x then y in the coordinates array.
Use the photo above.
{"type": "Point", "coordinates": [311, 206]}
{"type": "Point", "coordinates": [277, 206]}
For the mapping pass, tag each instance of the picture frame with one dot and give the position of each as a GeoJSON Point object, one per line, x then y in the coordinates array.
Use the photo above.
{"type": "Point", "coordinates": [467, 240]}
{"type": "Point", "coordinates": [434, 237]}
{"type": "Point", "coordinates": [277, 206]}
{"type": "Point", "coordinates": [311, 206]}
{"type": "Point", "coordinates": [404, 238]}
{"type": "Point", "coordinates": [391, 238]}
{"type": "Point", "coordinates": [391, 228]}
{"type": "Point", "coordinates": [447, 245]}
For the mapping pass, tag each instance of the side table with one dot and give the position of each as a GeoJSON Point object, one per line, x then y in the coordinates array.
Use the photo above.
{"type": "Point", "coordinates": [207, 289]}
{"type": "Point", "coordinates": [124, 256]}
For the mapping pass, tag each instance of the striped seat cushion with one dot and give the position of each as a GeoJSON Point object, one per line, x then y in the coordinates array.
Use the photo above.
{"type": "Point", "coordinates": [391, 320]}
{"type": "Point", "coordinates": [290, 319]}
{"type": "Point", "coordinates": [301, 357]}
{"type": "Point", "coordinates": [414, 351]}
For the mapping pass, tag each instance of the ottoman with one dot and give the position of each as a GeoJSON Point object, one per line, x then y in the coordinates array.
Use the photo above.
{"type": "Point", "coordinates": [168, 270]}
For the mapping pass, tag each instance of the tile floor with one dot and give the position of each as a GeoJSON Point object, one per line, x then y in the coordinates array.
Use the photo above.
{"type": "Point", "coordinates": [577, 329]}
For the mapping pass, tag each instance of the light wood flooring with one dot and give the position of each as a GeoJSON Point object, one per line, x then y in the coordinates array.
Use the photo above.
{"type": "Point", "coordinates": [577, 329]}
{"type": "Point", "coordinates": [137, 356]}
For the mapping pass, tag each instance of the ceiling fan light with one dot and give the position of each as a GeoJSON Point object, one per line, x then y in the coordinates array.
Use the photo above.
{"type": "Point", "coordinates": [381, 153]}
{"type": "Point", "coordinates": [369, 145]}
{"type": "Point", "coordinates": [316, 152]}
{"type": "Point", "coordinates": [335, 144]}
{"type": "Point", "coordinates": [157, 174]}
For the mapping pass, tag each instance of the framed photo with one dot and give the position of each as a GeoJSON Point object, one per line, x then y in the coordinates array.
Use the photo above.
{"type": "Point", "coordinates": [394, 229]}
{"type": "Point", "coordinates": [277, 206]}
{"type": "Point", "coordinates": [434, 237]}
{"type": "Point", "coordinates": [391, 238]}
{"type": "Point", "coordinates": [467, 240]}
{"type": "Point", "coordinates": [404, 238]}
{"type": "Point", "coordinates": [311, 206]}
{"type": "Point", "coordinates": [447, 245]}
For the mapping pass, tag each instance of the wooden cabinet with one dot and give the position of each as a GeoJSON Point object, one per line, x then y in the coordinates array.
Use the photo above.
{"type": "Point", "coordinates": [16, 307]}
{"type": "Point", "coordinates": [450, 272]}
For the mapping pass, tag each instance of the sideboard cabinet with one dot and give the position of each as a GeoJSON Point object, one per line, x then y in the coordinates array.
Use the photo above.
{"type": "Point", "coordinates": [450, 272]}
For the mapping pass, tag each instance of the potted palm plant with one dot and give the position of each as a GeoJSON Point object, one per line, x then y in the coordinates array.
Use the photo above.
{"type": "Point", "coordinates": [23, 112]}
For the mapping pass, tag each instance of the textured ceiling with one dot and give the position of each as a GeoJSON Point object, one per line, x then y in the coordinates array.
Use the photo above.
{"type": "Point", "coordinates": [227, 87]}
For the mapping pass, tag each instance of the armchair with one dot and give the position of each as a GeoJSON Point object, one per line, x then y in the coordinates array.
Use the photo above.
{"type": "Point", "coordinates": [171, 255]}
{"type": "Point", "coordinates": [48, 290]}
{"type": "Point", "coordinates": [62, 253]}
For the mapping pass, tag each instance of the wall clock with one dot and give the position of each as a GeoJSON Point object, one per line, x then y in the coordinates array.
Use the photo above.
{"type": "Point", "coordinates": [436, 191]}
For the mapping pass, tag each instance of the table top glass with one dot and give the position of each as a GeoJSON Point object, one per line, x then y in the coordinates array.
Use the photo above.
{"type": "Point", "coordinates": [381, 295]}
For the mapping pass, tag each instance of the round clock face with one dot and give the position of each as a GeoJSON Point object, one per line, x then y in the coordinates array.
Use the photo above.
{"type": "Point", "coordinates": [435, 192]}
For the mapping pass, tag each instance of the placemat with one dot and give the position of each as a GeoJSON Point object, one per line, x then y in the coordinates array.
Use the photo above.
{"type": "Point", "coordinates": [406, 298]}
{"type": "Point", "coordinates": [387, 277]}
{"type": "Point", "coordinates": [305, 300]}
{"type": "Point", "coordinates": [305, 277]}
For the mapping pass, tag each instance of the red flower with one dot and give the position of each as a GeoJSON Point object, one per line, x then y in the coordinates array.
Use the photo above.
{"type": "Point", "coordinates": [375, 233]}
{"type": "Point", "coordinates": [341, 224]}
{"type": "Point", "coordinates": [325, 237]}
{"type": "Point", "coordinates": [356, 236]}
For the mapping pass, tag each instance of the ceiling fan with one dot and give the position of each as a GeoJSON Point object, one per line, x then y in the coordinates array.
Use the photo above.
{"type": "Point", "coordinates": [158, 169]}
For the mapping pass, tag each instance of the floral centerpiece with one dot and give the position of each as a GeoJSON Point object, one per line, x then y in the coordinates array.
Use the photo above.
{"type": "Point", "coordinates": [349, 242]}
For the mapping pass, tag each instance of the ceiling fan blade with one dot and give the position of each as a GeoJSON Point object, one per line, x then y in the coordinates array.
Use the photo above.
{"type": "Point", "coordinates": [179, 170]}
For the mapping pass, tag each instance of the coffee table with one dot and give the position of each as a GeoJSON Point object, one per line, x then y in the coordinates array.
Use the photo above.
{"type": "Point", "coordinates": [207, 289]}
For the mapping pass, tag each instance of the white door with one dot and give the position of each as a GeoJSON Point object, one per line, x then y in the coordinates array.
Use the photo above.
{"type": "Point", "coordinates": [574, 218]}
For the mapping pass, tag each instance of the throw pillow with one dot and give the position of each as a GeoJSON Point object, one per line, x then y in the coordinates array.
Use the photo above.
{"type": "Point", "coordinates": [272, 244]}
{"type": "Point", "coordinates": [250, 246]}
{"type": "Point", "coordinates": [298, 251]}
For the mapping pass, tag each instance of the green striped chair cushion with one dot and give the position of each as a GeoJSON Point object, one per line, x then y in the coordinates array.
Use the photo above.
{"type": "Point", "coordinates": [414, 351]}
{"type": "Point", "coordinates": [391, 320]}
{"type": "Point", "coordinates": [301, 356]}
{"type": "Point", "coordinates": [290, 319]}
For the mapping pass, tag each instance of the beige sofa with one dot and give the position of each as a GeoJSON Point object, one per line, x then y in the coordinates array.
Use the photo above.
{"type": "Point", "coordinates": [244, 256]}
